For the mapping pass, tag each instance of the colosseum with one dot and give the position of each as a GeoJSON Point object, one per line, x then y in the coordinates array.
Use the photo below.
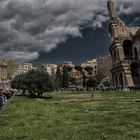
{"type": "Point", "coordinates": [125, 52]}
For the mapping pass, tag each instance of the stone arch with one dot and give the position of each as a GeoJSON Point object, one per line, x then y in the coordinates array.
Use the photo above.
{"type": "Point", "coordinates": [127, 48]}
{"type": "Point", "coordinates": [116, 81]}
{"type": "Point", "coordinates": [135, 67]}
{"type": "Point", "coordinates": [121, 81]}
{"type": "Point", "coordinates": [135, 72]}
{"type": "Point", "coordinates": [115, 56]}
{"type": "Point", "coordinates": [136, 53]}
{"type": "Point", "coordinates": [112, 56]}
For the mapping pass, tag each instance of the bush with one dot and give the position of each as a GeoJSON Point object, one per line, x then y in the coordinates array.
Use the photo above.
{"type": "Point", "coordinates": [35, 82]}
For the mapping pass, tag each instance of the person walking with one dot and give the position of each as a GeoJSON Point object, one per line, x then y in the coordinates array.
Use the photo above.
{"type": "Point", "coordinates": [2, 101]}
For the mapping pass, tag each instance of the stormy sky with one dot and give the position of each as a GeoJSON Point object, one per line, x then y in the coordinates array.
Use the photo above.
{"type": "Point", "coordinates": [51, 31]}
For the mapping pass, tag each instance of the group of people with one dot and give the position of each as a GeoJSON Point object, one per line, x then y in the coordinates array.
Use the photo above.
{"type": "Point", "coordinates": [5, 94]}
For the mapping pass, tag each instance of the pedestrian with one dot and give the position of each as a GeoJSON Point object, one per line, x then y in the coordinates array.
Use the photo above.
{"type": "Point", "coordinates": [2, 101]}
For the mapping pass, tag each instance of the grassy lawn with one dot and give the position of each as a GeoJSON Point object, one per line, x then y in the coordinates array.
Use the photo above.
{"type": "Point", "coordinates": [108, 116]}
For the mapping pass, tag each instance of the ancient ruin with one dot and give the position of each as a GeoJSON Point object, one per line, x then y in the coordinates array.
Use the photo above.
{"type": "Point", "coordinates": [125, 52]}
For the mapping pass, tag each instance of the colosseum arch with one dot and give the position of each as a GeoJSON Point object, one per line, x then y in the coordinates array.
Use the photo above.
{"type": "Point", "coordinates": [127, 48]}
{"type": "Point", "coordinates": [116, 81]}
{"type": "Point", "coordinates": [136, 53]}
{"type": "Point", "coordinates": [121, 82]}
{"type": "Point", "coordinates": [135, 72]}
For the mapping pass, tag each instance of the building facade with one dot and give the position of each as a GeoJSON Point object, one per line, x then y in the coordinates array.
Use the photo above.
{"type": "Point", "coordinates": [50, 68]}
{"type": "Point", "coordinates": [67, 64]}
{"type": "Point", "coordinates": [3, 70]}
{"type": "Point", "coordinates": [125, 52]}
{"type": "Point", "coordinates": [22, 68]}
{"type": "Point", "coordinates": [91, 63]}
{"type": "Point", "coordinates": [104, 66]}
{"type": "Point", "coordinates": [75, 74]}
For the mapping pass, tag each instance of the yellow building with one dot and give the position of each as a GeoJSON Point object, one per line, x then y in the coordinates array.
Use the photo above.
{"type": "Point", "coordinates": [75, 74]}
{"type": "Point", "coordinates": [3, 70]}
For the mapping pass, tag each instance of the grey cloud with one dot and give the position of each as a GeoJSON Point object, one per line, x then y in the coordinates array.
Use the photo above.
{"type": "Point", "coordinates": [30, 26]}
{"type": "Point", "coordinates": [128, 6]}
{"type": "Point", "coordinates": [19, 57]}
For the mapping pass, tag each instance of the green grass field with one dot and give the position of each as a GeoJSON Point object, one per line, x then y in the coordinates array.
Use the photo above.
{"type": "Point", "coordinates": [106, 116]}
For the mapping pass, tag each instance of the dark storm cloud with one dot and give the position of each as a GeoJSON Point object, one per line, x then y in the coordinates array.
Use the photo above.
{"type": "Point", "coordinates": [30, 26]}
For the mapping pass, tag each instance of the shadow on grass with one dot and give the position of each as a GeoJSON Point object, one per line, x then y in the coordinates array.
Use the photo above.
{"type": "Point", "coordinates": [36, 97]}
{"type": "Point", "coordinates": [15, 138]}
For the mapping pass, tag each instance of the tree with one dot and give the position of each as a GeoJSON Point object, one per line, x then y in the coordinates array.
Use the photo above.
{"type": "Point", "coordinates": [35, 82]}
{"type": "Point", "coordinates": [92, 83]}
{"type": "Point", "coordinates": [84, 79]}
{"type": "Point", "coordinates": [107, 83]}
{"type": "Point", "coordinates": [89, 70]}
{"type": "Point", "coordinates": [73, 80]}
{"type": "Point", "coordinates": [65, 78]}
{"type": "Point", "coordinates": [99, 77]}
{"type": "Point", "coordinates": [78, 68]}
{"type": "Point", "coordinates": [42, 68]}
{"type": "Point", "coordinates": [19, 83]}
{"type": "Point", "coordinates": [59, 78]}
{"type": "Point", "coordinates": [69, 68]}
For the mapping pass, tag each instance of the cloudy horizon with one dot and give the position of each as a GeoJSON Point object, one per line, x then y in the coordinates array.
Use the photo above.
{"type": "Point", "coordinates": [31, 29]}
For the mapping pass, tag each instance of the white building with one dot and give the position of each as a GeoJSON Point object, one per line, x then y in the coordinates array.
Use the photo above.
{"type": "Point", "coordinates": [67, 63]}
{"type": "Point", "coordinates": [50, 68]}
{"type": "Point", "coordinates": [22, 68]}
{"type": "Point", "coordinates": [91, 63]}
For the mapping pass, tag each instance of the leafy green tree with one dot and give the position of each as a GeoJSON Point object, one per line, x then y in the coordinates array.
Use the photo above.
{"type": "Point", "coordinates": [66, 79]}
{"type": "Point", "coordinates": [69, 68]}
{"type": "Point", "coordinates": [99, 77]}
{"type": "Point", "coordinates": [73, 80]}
{"type": "Point", "coordinates": [78, 68]}
{"type": "Point", "coordinates": [19, 83]}
{"type": "Point", "coordinates": [84, 79]}
{"type": "Point", "coordinates": [59, 78]}
{"type": "Point", "coordinates": [35, 82]}
{"type": "Point", "coordinates": [89, 70]}
{"type": "Point", "coordinates": [107, 83]}
{"type": "Point", "coordinates": [92, 83]}
{"type": "Point", "coordinates": [41, 68]}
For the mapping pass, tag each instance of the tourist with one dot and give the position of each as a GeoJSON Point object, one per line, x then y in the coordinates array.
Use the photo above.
{"type": "Point", "coordinates": [2, 101]}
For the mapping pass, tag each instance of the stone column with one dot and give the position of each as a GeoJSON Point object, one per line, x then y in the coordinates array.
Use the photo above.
{"type": "Point", "coordinates": [119, 47]}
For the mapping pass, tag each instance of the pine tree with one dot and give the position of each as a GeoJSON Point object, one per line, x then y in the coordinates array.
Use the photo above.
{"type": "Point", "coordinates": [84, 79]}
{"type": "Point", "coordinates": [66, 79]}
{"type": "Point", "coordinates": [59, 78]}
